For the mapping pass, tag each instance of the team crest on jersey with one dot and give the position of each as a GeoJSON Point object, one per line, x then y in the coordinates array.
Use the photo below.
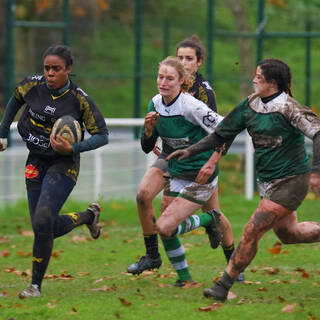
{"type": "Point", "coordinates": [210, 119]}
{"type": "Point", "coordinates": [31, 171]}
{"type": "Point", "coordinates": [36, 77]}
{"type": "Point", "coordinates": [50, 110]}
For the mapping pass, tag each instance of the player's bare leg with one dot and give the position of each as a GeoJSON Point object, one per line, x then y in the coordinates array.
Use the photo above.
{"type": "Point", "coordinates": [174, 214]}
{"type": "Point", "coordinates": [150, 186]}
{"type": "Point", "coordinates": [227, 240]}
{"type": "Point", "coordinates": [289, 230]}
{"type": "Point", "coordinates": [262, 220]}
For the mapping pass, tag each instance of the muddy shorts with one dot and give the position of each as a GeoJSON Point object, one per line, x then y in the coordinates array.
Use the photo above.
{"type": "Point", "coordinates": [161, 162]}
{"type": "Point", "coordinates": [288, 191]}
{"type": "Point", "coordinates": [190, 190]}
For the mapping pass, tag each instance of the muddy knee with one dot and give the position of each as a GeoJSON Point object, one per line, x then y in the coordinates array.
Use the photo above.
{"type": "Point", "coordinates": [143, 198]}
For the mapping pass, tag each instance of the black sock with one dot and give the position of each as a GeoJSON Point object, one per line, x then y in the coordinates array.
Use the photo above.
{"type": "Point", "coordinates": [228, 251]}
{"type": "Point", "coordinates": [42, 248]}
{"type": "Point", "coordinates": [151, 244]}
{"type": "Point", "coordinates": [226, 281]}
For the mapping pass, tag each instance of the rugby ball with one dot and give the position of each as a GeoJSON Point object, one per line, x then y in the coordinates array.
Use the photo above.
{"type": "Point", "coordinates": [68, 128]}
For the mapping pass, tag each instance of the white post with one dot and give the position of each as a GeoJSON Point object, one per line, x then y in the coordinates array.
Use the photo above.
{"type": "Point", "coordinates": [98, 172]}
{"type": "Point", "coordinates": [249, 167]}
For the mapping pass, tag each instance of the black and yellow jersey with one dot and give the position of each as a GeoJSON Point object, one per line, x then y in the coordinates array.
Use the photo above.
{"type": "Point", "coordinates": [43, 108]}
{"type": "Point", "coordinates": [202, 90]}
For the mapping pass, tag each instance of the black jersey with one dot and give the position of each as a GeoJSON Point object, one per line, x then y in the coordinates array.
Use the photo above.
{"type": "Point", "coordinates": [43, 109]}
{"type": "Point", "coordinates": [202, 91]}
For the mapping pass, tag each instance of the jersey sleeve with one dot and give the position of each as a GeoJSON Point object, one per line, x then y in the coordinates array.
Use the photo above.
{"type": "Point", "coordinates": [91, 114]}
{"type": "Point", "coordinates": [207, 95]}
{"type": "Point", "coordinates": [200, 114]}
{"type": "Point", "coordinates": [233, 123]}
{"type": "Point", "coordinates": [302, 118]}
{"type": "Point", "coordinates": [11, 110]}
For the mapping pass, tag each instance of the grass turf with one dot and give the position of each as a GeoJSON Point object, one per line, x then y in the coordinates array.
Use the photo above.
{"type": "Point", "coordinates": [87, 278]}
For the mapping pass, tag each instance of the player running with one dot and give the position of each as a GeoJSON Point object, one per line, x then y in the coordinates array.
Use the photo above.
{"type": "Point", "coordinates": [52, 166]}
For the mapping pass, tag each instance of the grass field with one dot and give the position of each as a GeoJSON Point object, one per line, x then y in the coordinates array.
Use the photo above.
{"type": "Point", "coordinates": [87, 278]}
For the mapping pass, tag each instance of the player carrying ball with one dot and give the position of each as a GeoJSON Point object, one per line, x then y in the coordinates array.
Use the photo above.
{"type": "Point", "coordinates": [53, 165]}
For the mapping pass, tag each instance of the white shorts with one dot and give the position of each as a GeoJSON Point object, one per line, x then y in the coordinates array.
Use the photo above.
{"type": "Point", "coordinates": [190, 190]}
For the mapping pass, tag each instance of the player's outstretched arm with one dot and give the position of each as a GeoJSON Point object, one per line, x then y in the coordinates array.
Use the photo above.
{"type": "Point", "coordinates": [205, 144]}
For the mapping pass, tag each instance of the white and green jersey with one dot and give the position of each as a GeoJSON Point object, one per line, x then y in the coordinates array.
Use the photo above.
{"type": "Point", "coordinates": [182, 123]}
{"type": "Point", "coordinates": [277, 129]}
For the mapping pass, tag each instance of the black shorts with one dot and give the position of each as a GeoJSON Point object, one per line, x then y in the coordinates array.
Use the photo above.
{"type": "Point", "coordinates": [36, 168]}
{"type": "Point", "coordinates": [289, 191]}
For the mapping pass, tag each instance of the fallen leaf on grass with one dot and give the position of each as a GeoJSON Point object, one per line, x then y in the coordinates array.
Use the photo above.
{"type": "Point", "coordinates": [63, 276]}
{"type": "Point", "coordinates": [192, 284]}
{"type": "Point", "coordinates": [212, 307]}
{"type": "Point", "coordinates": [125, 302]}
{"type": "Point", "coordinates": [3, 293]}
{"type": "Point", "coordinates": [5, 253]}
{"type": "Point", "coordinates": [242, 301]}
{"type": "Point", "coordinates": [249, 283]}
{"type": "Point", "coordinates": [303, 272]}
{"type": "Point", "coordinates": [312, 317]}
{"type": "Point", "coordinates": [271, 271]}
{"type": "Point", "coordinates": [276, 248]}
{"type": "Point", "coordinates": [24, 254]}
{"type": "Point", "coordinates": [164, 285]}
{"type": "Point", "coordinates": [262, 289]}
{"type": "Point", "coordinates": [231, 295]}
{"type": "Point", "coordinates": [50, 305]}
{"type": "Point", "coordinates": [9, 269]}
{"type": "Point", "coordinates": [127, 241]}
{"type": "Point", "coordinates": [275, 281]}
{"type": "Point", "coordinates": [78, 239]}
{"type": "Point", "coordinates": [56, 253]}
{"type": "Point", "coordinates": [105, 288]}
{"type": "Point", "coordinates": [26, 233]}
{"type": "Point", "coordinates": [282, 299]}
{"type": "Point", "coordinates": [289, 308]}
{"type": "Point", "coordinates": [167, 275]}
{"type": "Point", "coordinates": [73, 311]}
{"type": "Point", "coordinates": [197, 232]}
{"type": "Point", "coordinates": [4, 239]}
{"type": "Point", "coordinates": [81, 273]}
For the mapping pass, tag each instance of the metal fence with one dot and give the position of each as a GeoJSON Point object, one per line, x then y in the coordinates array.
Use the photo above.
{"type": "Point", "coordinates": [117, 49]}
{"type": "Point", "coordinates": [111, 172]}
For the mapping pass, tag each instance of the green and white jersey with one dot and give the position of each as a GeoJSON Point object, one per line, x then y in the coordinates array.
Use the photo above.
{"type": "Point", "coordinates": [277, 129]}
{"type": "Point", "coordinates": [182, 123]}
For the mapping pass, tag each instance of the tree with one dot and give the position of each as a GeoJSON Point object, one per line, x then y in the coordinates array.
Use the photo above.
{"type": "Point", "coordinates": [244, 44]}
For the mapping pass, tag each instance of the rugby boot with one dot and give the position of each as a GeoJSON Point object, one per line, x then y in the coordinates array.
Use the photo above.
{"type": "Point", "coordinates": [94, 227]}
{"type": "Point", "coordinates": [213, 230]}
{"type": "Point", "coordinates": [145, 263]}
{"type": "Point", "coordinates": [221, 288]}
{"type": "Point", "coordinates": [31, 292]}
